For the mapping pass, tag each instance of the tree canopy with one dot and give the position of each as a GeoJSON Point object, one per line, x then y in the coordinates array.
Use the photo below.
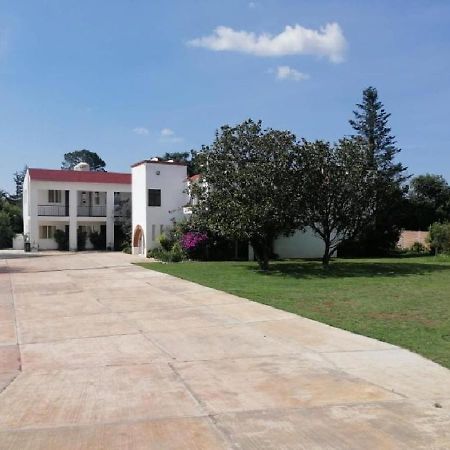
{"type": "Point", "coordinates": [71, 159]}
{"type": "Point", "coordinates": [10, 219]}
{"type": "Point", "coordinates": [337, 190]}
{"type": "Point", "coordinates": [19, 178]}
{"type": "Point", "coordinates": [371, 124]}
{"type": "Point", "coordinates": [248, 194]}
{"type": "Point", "coordinates": [428, 201]}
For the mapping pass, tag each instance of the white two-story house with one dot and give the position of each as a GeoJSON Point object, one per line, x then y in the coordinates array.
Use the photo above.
{"type": "Point", "coordinates": [85, 201]}
{"type": "Point", "coordinates": [73, 201]}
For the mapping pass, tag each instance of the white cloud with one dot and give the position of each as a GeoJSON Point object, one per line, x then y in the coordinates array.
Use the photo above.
{"type": "Point", "coordinates": [288, 73]}
{"type": "Point", "coordinates": [140, 130]}
{"type": "Point", "coordinates": [166, 132]}
{"type": "Point", "coordinates": [328, 41]}
{"type": "Point", "coordinates": [168, 135]}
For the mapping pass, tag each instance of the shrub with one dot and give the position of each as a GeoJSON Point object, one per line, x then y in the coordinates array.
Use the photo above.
{"type": "Point", "coordinates": [175, 254]}
{"type": "Point", "coordinates": [126, 248]}
{"type": "Point", "coordinates": [81, 240]}
{"type": "Point", "coordinates": [62, 239]}
{"type": "Point", "coordinates": [98, 240]}
{"type": "Point", "coordinates": [439, 237]}
{"type": "Point", "coordinates": [166, 241]}
{"type": "Point", "coordinates": [192, 240]}
{"type": "Point", "coordinates": [418, 247]}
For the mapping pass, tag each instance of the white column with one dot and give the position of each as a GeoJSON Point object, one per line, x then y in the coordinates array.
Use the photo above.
{"type": "Point", "coordinates": [110, 219]}
{"type": "Point", "coordinates": [251, 253]}
{"type": "Point", "coordinates": [73, 221]}
{"type": "Point", "coordinates": [33, 227]}
{"type": "Point", "coordinates": [34, 231]}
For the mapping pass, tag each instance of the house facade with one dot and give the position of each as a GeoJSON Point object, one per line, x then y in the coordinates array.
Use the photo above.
{"type": "Point", "coordinates": [159, 196]}
{"type": "Point", "coordinates": [73, 201]}
{"type": "Point", "coordinates": [83, 201]}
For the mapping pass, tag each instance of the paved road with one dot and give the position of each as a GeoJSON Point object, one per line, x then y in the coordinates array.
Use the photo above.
{"type": "Point", "coordinates": [96, 353]}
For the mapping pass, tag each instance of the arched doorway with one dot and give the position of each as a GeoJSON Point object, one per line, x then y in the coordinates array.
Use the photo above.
{"type": "Point", "coordinates": [138, 241]}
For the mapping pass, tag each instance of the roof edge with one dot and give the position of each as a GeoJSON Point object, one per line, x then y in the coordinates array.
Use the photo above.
{"type": "Point", "coordinates": [70, 170]}
{"type": "Point", "coordinates": [149, 161]}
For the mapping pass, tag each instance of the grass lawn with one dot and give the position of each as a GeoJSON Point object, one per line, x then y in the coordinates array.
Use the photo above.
{"type": "Point", "coordinates": [404, 301]}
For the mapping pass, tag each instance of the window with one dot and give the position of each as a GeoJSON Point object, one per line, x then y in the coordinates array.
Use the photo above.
{"type": "Point", "coordinates": [83, 198]}
{"type": "Point", "coordinates": [153, 233]}
{"type": "Point", "coordinates": [54, 196]}
{"type": "Point", "coordinates": [154, 197]}
{"type": "Point", "coordinates": [88, 229]}
{"type": "Point", "coordinates": [96, 198]}
{"type": "Point", "coordinates": [46, 231]}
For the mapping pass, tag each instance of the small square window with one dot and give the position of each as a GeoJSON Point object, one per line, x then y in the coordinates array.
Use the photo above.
{"type": "Point", "coordinates": [46, 231]}
{"type": "Point", "coordinates": [154, 197]}
{"type": "Point", "coordinates": [54, 196]}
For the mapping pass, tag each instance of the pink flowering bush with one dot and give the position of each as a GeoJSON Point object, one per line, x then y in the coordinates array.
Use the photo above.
{"type": "Point", "coordinates": [192, 240]}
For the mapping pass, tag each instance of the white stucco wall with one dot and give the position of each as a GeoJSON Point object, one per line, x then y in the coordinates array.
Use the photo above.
{"type": "Point", "coordinates": [139, 201]}
{"type": "Point", "coordinates": [302, 244]}
{"type": "Point", "coordinates": [18, 242]}
{"type": "Point", "coordinates": [26, 204]}
{"type": "Point", "coordinates": [171, 180]}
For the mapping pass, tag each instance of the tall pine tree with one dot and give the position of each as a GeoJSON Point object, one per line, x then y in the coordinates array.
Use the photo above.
{"type": "Point", "coordinates": [370, 123]}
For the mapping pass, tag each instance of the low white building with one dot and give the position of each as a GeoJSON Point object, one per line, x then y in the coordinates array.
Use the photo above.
{"type": "Point", "coordinates": [73, 201]}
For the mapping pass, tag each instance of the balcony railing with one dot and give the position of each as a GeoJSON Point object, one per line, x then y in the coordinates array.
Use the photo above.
{"type": "Point", "coordinates": [92, 211]}
{"type": "Point", "coordinates": [53, 210]}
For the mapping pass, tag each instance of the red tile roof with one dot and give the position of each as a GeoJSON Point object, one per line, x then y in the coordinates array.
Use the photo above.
{"type": "Point", "coordinates": [194, 177]}
{"type": "Point", "coordinates": [74, 176]}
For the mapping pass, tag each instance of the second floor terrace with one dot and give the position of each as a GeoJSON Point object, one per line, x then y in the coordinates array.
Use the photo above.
{"type": "Point", "coordinates": [56, 203]}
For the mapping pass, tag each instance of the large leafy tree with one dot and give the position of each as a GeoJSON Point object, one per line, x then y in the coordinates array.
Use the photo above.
{"type": "Point", "coordinates": [6, 230]}
{"type": "Point", "coordinates": [371, 124]}
{"type": "Point", "coordinates": [247, 192]}
{"type": "Point", "coordinates": [10, 219]}
{"type": "Point", "coordinates": [71, 159]}
{"type": "Point", "coordinates": [337, 190]}
{"type": "Point", "coordinates": [429, 201]}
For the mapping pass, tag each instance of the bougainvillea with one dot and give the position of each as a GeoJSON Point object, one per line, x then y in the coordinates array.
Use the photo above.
{"type": "Point", "coordinates": [191, 240]}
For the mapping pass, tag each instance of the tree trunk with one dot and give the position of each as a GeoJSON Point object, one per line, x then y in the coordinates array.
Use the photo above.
{"type": "Point", "coordinates": [326, 255]}
{"type": "Point", "coordinates": [264, 263]}
{"type": "Point", "coordinates": [262, 249]}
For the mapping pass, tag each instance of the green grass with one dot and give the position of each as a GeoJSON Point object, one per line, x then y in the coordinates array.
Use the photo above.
{"type": "Point", "coordinates": [404, 301]}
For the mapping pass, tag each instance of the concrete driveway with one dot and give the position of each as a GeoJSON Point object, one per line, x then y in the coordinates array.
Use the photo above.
{"type": "Point", "coordinates": [96, 353]}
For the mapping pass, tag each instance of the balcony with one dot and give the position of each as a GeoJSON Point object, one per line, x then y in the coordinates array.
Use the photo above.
{"type": "Point", "coordinates": [53, 210]}
{"type": "Point", "coordinates": [91, 211]}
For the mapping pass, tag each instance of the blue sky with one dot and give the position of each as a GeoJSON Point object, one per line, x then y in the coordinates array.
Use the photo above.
{"type": "Point", "coordinates": [132, 79]}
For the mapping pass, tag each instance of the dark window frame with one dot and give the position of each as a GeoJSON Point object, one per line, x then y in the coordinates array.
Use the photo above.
{"type": "Point", "coordinates": [154, 197]}
{"type": "Point", "coordinates": [54, 196]}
